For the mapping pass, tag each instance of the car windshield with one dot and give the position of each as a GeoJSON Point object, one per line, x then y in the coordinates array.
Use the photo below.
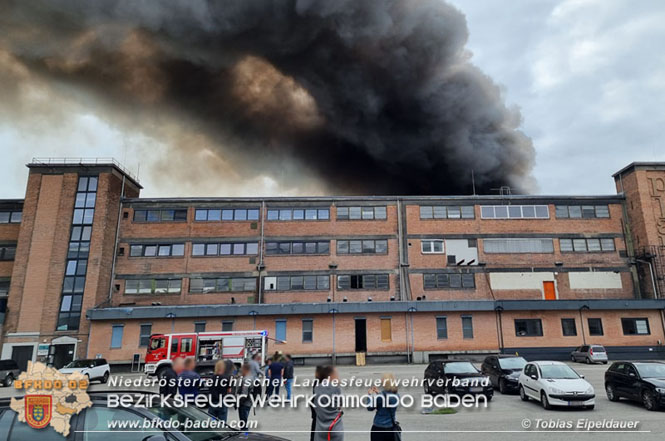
{"type": "Point", "coordinates": [156, 343]}
{"type": "Point", "coordinates": [191, 417]}
{"type": "Point", "coordinates": [463, 367]}
{"type": "Point", "coordinates": [651, 370]}
{"type": "Point", "coordinates": [512, 363]}
{"type": "Point", "coordinates": [79, 364]}
{"type": "Point", "coordinates": [558, 372]}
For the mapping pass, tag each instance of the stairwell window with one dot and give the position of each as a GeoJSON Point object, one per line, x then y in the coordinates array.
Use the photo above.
{"type": "Point", "coordinates": [635, 326]}
{"type": "Point", "coordinates": [528, 328]}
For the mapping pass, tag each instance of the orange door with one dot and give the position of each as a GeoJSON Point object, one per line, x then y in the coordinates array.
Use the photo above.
{"type": "Point", "coordinates": [548, 288]}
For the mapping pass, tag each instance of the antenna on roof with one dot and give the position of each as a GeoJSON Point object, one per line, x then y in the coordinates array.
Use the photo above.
{"type": "Point", "coordinates": [473, 182]}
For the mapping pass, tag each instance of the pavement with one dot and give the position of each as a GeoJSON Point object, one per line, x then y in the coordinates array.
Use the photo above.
{"type": "Point", "coordinates": [506, 417]}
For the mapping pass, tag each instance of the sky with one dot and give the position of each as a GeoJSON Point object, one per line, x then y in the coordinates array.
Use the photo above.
{"type": "Point", "coordinates": [587, 75]}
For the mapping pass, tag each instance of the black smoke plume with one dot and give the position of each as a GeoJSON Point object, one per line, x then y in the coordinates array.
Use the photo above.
{"type": "Point", "coordinates": [369, 96]}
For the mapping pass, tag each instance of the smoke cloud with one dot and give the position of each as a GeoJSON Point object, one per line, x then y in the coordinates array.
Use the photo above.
{"type": "Point", "coordinates": [364, 96]}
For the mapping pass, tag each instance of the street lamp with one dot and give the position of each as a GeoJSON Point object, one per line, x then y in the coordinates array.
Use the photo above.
{"type": "Point", "coordinates": [171, 316]}
{"type": "Point", "coordinates": [411, 310]}
{"type": "Point", "coordinates": [334, 355]}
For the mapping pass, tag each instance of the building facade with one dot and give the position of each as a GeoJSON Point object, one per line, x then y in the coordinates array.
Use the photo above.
{"type": "Point", "coordinates": [89, 268]}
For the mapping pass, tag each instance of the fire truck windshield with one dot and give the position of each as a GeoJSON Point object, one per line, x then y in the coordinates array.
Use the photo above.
{"type": "Point", "coordinates": [156, 343]}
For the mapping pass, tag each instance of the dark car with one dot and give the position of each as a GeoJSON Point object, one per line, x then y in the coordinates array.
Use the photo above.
{"type": "Point", "coordinates": [456, 377]}
{"type": "Point", "coordinates": [9, 372]}
{"type": "Point", "coordinates": [504, 371]}
{"type": "Point", "coordinates": [642, 381]}
{"type": "Point", "coordinates": [94, 423]}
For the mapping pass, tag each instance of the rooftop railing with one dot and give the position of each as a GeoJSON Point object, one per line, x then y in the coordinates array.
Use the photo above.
{"type": "Point", "coordinates": [84, 161]}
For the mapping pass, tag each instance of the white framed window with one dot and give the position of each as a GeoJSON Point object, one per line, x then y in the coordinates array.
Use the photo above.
{"type": "Point", "coordinates": [432, 246]}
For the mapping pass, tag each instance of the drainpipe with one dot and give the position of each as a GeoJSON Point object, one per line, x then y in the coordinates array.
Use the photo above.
{"type": "Point", "coordinates": [261, 243]}
{"type": "Point", "coordinates": [499, 325]}
{"type": "Point", "coordinates": [656, 294]}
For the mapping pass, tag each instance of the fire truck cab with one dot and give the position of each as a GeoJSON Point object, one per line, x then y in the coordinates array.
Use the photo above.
{"type": "Point", "coordinates": [206, 347]}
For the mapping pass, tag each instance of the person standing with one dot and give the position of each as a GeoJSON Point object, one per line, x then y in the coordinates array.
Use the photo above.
{"type": "Point", "coordinates": [244, 393]}
{"type": "Point", "coordinates": [219, 389]}
{"type": "Point", "coordinates": [288, 375]}
{"type": "Point", "coordinates": [188, 379]}
{"type": "Point", "coordinates": [276, 371]}
{"type": "Point", "coordinates": [327, 399]}
{"type": "Point", "coordinates": [168, 378]}
{"type": "Point", "coordinates": [257, 373]}
{"type": "Point", "coordinates": [317, 379]}
{"type": "Point", "coordinates": [384, 426]}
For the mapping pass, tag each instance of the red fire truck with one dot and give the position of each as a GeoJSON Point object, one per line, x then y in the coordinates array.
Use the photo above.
{"type": "Point", "coordinates": [206, 347]}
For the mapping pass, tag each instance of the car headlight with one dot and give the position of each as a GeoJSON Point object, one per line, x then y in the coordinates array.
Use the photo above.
{"type": "Point", "coordinates": [660, 390]}
{"type": "Point", "coordinates": [556, 391]}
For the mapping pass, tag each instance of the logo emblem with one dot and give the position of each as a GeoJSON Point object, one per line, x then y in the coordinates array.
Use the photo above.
{"type": "Point", "coordinates": [38, 410]}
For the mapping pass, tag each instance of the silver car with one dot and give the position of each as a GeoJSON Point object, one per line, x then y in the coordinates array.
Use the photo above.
{"type": "Point", "coordinates": [589, 354]}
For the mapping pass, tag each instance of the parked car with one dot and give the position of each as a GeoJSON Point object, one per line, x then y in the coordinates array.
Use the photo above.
{"type": "Point", "coordinates": [554, 383]}
{"type": "Point", "coordinates": [95, 369]}
{"type": "Point", "coordinates": [504, 371]}
{"type": "Point", "coordinates": [589, 354]}
{"type": "Point", "coordinates": [456, 377]}
{"type": "Point", "coordinates": [9, 372]}
{"type": "Point", "coordinates": [98, 417]}
{"type": "Point", "coordinates": [642, 381]}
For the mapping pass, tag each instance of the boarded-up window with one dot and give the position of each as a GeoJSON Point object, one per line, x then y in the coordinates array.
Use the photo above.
{"type": "Point", "coordinates": [386, 330]}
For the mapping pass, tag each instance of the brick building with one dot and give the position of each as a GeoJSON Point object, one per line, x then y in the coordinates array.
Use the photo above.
{"type": "Point", "coordinates": [88, 267]}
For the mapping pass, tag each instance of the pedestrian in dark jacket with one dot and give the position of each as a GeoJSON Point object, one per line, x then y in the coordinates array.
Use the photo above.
{"type": "Point", "coordinates": [384, 427]}
{"type": "Point", "coordinates": [219, 389]}
{"type": "Point", "coordinates": [244, 393]}
{"type": "Point", "coordinates": [276, 371]}
{"type": "Point", "coordinates": [189, 380]}
{"type": "Point", "coordinates": [288, 375]}
{"type": "Point", "coordinates": [168, 378]}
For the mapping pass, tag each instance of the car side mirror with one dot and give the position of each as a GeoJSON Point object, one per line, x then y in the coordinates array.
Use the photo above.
{"type": "Point", "coordinates": [534, 377]}
{"type": "Point", "coordinates": [632, 374]}
{"type": "Point", "coordinates": [582, 376]}
{"type": "Point", "coordinates": [154, 438]}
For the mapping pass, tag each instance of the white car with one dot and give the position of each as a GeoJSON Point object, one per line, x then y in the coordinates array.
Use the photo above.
{"type": "Point", "coordinates": [554, 383]}
{"type": "Point", "coordinates": [95, 369]}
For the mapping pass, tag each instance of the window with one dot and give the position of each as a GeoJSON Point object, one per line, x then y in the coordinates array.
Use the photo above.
{"type": "Point", "coordinates": [226, 214]}
{"type": "Point", "coordinates": [582, 211]}
{"type": "Point", "coordinates": [186, 345]}
{"type": "Point", "coordinates": [116, 336]}
{"type": "Point", "coordinates": [568, 327]}
{"type": "Point", "coordinates": [386, 329]}
{"type": "Point", "coordinates": [222, 284]}
{"type": "Point", "coordinates": [363, 282]}
{"type": "Point", "coordinates": [199, 327]}
{"type": "Point", "coordinates": [11, 217]}
{"type": "Point", "coordinates": [447, 212]}
{"type": "Point", "coordinates": [307, 330]}
{"type": "Point", "coordinates": [153, 286]}
{"type": "Point", "coordinates": [298, 214]}
{"type": "Point", "coordinates": [225, 249]}
{"type": "Point", "coordinates": [319, 247]}
{"type": "Point", "coordinates": [431, 246]}
{"type": "Point", "coordinates": [515, 212]}
{"type": "Point", "coordinates": [441, 328]}
{"type": "Point", "coordinates": [635, 326]}
{"type": "Point", "coordinates": [595, 326]}
{"type": "Point", "coordinates": [449, 281]}
{"type": "Point", "coordinates": [498, 246]}
{"type": "Point", "coordinates": [302, 283]}
{"type": "Point", "coordinates": [4, 288]}
{"type": "Point", "coordinates": [157, 250]}
{"type": "Point", "coordinates": [362, 246]}
{"type": "Point", "coordinates": [280, 330]}
{"type": "Point", "coordinates": [144, 334]}
{"type": "Point", "coordinates": [586, 245]}
{"type": "Point", "coordinates": [227, 325]}
{"type": "Point", "coordinates": [7, 252]}
{"type": "Point", "coordinates": [528, 328]}
{"type": "Point", "coordinates": [361, 213]}
{"type": "Point", "coordinates": [467, 326]}
{"type": "Point", "coordinates": [161, 215]}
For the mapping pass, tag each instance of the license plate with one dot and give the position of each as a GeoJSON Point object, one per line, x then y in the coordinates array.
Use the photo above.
{"type": "Point", "coordinates": [576, 403]}
{"type": "Point", "coordinates": [475, 389]}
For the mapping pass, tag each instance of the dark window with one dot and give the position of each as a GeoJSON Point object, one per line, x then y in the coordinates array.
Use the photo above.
{"type": "Point", "coordinates": [199, 327]}
{"type": "Point", "coordinates": [586, 245]}
{"type": "Point", "coordinates": [449, 281]}
{"type": "Point", "coordinates": [361, 213]}
{"type": "Point", "coordinates": [595, 326]}
{"type": "Point", "coordinates": [227, 326]}
{"type": "Point", "coordinates": [582, 211]}
{"type": "Point", "coordinates": [307, 330]}
{"type": "Point", "coordinates": [303, 282]}
{"type": "Point", "coordinates": [299, 214]}
{"type": "Point", "coordinates": [273, 248]}
{"type": "Point", "coordinates": [635, 326]}
{"type": "Point", "coordinates": [116, 336]}
{"type": "Point", "coordinates": [225, 249]}
{"type": "Point", "coordinates": [10, 217]}
{"type": "Point", "coordinates": [528, 328]}
{"type": "Point", "coordinates": [280, 330]}
{"type": "Point", "coordinates": [222, 284]}
{"type": "Point", "coordinates": [7, 252]}
{"type": "Point", "coordinates": [441, 328]}
{"type": "Point", "coordinates": [447, 212]}
{"type": "Point", "coordinates": [467, 327]}
{"type": "Point", "coordinates": [160, 215]}
{"type": "Point", "coordinates": [144, 336]}
{"type": "Point", "coordinates": [363, 282]}
{"type": "Point", "coordinates": [568, 327]}
{"type": "Point", "coordinates": [152, 286]}
{"type": "Point", "coordinates": [362, 246]}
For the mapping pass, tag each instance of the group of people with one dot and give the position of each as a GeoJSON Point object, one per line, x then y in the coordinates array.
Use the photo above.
{"type": "Point", "coordinates": [327, 420]}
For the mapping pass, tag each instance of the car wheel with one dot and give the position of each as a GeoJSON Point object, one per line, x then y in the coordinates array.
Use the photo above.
{"type": "Point", "coordinates": [588, 360]}
{"type": "Point", "coordinates": [502, 386]}
{"type": "Point", "coordinates": [544, 401]}
{"type": "Point", "coordinates": [105, 378]}
{"type": "Point", "coordinates": [523, 395]}
{"type": "Point", "coordinates": [611, 393]}
{"type": "Point", "coordinates": [604, 362]}
{"type": "Point", "coordinates": [572, 358]}
{"type": "Point", "coordinates": [426, 388]}
{"type": "Point", "coordinates": [9, 380]}
{"type": "Point", "coordinates": [649, 400]}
